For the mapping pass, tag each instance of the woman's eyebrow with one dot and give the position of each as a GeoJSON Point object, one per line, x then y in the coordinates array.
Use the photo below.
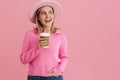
{"type": "Point", "coordinates": [43, 11]}
{"type": "Point", "coordinates": [50, 10]}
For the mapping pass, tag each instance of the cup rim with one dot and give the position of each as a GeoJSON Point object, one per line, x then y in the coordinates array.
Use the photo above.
{"type": "Point", "coordinates": [44, 34]}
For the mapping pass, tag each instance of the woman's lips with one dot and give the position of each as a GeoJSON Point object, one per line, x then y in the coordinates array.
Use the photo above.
{"type": "Point", "coordinates": [48, 20]}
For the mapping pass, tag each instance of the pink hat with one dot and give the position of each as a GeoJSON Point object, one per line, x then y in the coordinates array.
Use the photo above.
{"type": "Point", "coordinates": [56, 6]}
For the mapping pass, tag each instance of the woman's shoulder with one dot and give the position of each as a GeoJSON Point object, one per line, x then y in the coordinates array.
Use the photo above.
{"type": "Point", "coordinates": [29, 32]}
{"type": "Point", "coordinates": [60, 33]}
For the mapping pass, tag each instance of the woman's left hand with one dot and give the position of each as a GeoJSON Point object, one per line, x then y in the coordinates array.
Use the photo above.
{"type": "Point", "coordinates": [53, 73]}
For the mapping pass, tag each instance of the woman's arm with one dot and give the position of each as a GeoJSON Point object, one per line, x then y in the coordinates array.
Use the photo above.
{"type": "Point", "coordinates": [63, 56]}
{"type": "Point", "coordinates": [28, 53]}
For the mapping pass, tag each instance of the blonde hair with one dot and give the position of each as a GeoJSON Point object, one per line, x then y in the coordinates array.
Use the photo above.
{"type": "Point", "coordinates": [39, 24]}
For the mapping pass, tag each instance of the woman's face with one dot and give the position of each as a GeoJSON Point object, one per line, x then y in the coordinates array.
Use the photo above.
{"type": "Point", "coordinates": [46, 16]}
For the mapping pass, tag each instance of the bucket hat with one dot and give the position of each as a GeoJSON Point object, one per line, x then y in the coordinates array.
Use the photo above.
{"type": "Point", "coordinates": [53, 3]}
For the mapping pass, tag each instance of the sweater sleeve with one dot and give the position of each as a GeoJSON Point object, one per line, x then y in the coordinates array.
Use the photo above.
{"type": "Point", "coordinates": [63, 56]}
{"type": "Point", "coordinates": [28, 53]}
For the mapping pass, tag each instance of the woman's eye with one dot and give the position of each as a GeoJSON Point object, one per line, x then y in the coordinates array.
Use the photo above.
{"type": "Point", "coordinates": [43, 13]}
{"type": "Point", "coordinates": [51, 12]}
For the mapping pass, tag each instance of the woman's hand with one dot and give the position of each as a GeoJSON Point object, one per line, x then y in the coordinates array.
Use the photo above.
{"type": "Point", "coordinates": [53, 73]}
{"type": "Point", "coordinates": [41, 42]}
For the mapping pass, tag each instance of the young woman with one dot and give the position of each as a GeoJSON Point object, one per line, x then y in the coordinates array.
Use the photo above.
{"type": "Point", "coordinates": [45, 63]}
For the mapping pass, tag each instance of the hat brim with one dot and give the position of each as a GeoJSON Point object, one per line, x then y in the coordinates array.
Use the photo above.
{"type": "Point", "coordinates": [54, 4]}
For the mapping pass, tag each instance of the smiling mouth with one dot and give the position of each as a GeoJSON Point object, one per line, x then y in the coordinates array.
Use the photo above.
{"type": "Point", "coordinates": [48, 20]}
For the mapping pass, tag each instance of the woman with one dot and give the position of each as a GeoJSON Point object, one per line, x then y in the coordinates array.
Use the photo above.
{"type": "Point", "coordinates": [45, 63]}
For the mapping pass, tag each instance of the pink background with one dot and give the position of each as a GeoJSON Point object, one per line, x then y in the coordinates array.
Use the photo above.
{"type": "Point", "coordinates": [92, 28]}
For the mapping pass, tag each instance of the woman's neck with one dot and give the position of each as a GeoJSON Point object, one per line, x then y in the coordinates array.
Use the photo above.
{"type": "Point", "coordinates": [44, 30]}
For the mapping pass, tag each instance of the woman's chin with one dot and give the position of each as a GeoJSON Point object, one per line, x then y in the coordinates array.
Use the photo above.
{"type": "Point", "coordinates": [48, 25]}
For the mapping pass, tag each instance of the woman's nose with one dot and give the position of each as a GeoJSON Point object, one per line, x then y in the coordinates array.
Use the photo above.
{"type": "Point", "coordinates": [47, 15]}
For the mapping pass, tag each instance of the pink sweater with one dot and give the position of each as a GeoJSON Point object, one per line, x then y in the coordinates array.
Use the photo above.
{"type": "Point", "coordinates": [41, 60]}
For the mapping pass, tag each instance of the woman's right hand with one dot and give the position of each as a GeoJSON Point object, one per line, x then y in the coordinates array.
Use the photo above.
{"type": "Point", "coordinates": [41, 42]}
